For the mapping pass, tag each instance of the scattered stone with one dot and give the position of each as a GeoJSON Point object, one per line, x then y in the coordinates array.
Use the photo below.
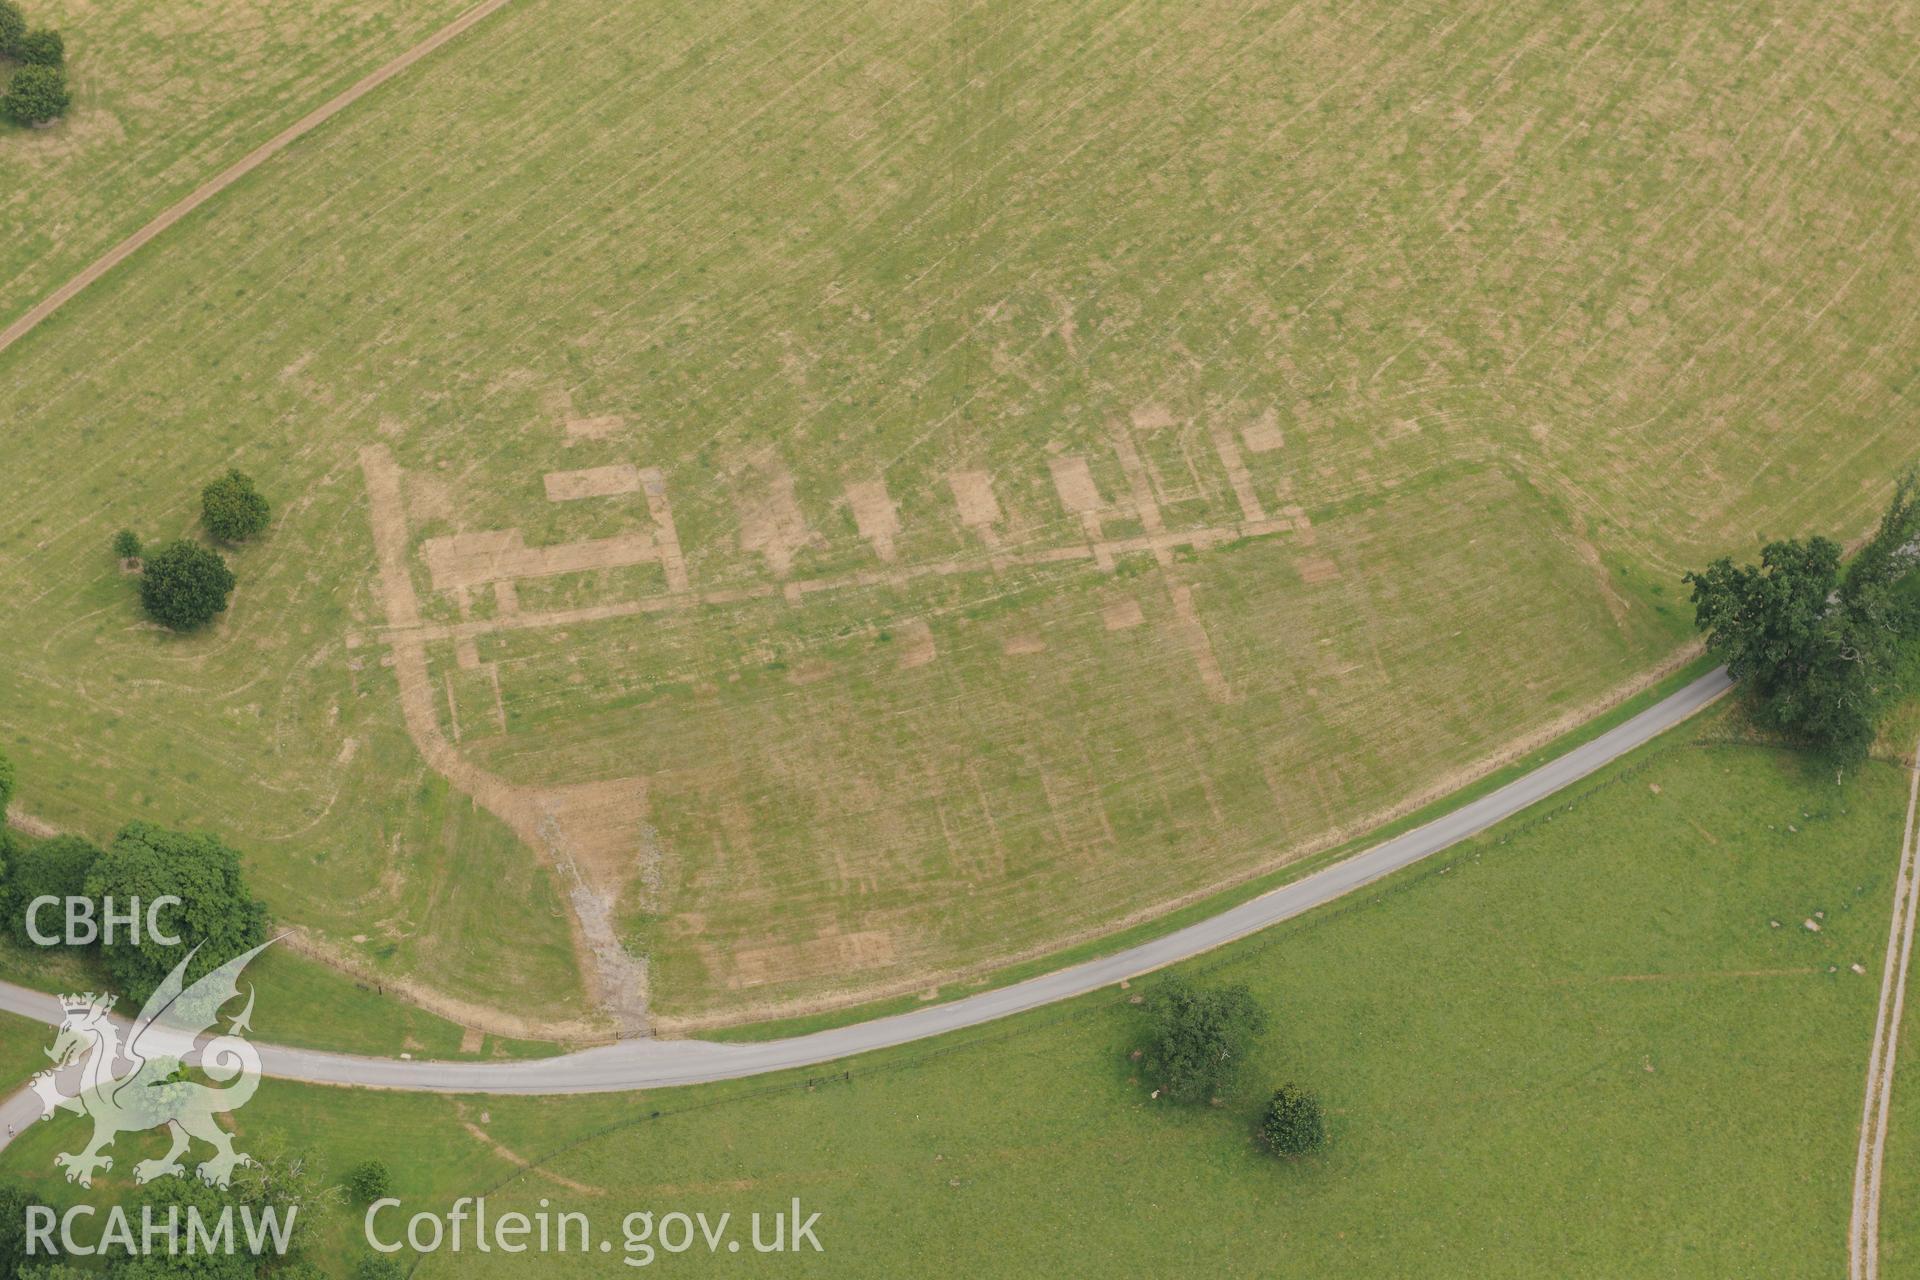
{"type": "Point", "coordinates": [1136, 999]}
{"type": "Point", "coordinates": [1819, 915]}
{"type": "Point", "coordinates": [1125, 985]}
{"type": "Point", "coordinates": [953, 1182]}
{"type": "Point", "coordinates": [1859, 968]}
{"type": "Point", "coordinates": [1773, 924]}
{"type": "Point", "coordinates": [1654, 787]}
{"type": "Point", "coordinates": [1813, 926]}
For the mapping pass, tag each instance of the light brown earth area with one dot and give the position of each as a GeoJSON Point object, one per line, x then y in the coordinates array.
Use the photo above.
{"type": "Point", "coordinates": [478, 559]}
{"type": "Point", "coordinates": [1122, 614]}
{"type": "Point", "coordinates": [829, 954]}
{"type": "Point", "coordinates": [874, 516]}
{"type": "Point", "coordinates": [592, 482]}
{"type": "Point", "coordinates": [771, 522]}
{"type": "Point", "coordinates": [600, 428]}
{"type": "Point", "coordinates": [973, 494]}
{"type": "Point", "coordinates": [1074, 483]}
{"type": "Point", "coordinates": [916, 644]}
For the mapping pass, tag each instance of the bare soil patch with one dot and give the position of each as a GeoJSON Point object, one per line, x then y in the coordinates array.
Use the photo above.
{"type": "Point", "coordinates": [592, 482]}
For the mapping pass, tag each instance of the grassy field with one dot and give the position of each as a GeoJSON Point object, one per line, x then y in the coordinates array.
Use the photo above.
{"type": "Point", "coordinates": [303, 1003]}
{"type": "Point", "coordinates": [840, 498]}
{"type": "Point", "coordinates": [166, 93]}
{"type": "Point", "coordinates": [1576, 1046]}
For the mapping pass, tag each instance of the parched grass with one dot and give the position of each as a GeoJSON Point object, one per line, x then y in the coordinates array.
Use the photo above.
{"type": "Point", "coordinates": [166, 94]}
{"type": "Point", "coordinates": [1509, 317]}
{"type": "Point", "coordinates": [1577, 1046]}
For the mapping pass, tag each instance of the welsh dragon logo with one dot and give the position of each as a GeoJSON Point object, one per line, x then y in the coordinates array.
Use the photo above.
{"type": "Point", "coordinates": [140, 1084]}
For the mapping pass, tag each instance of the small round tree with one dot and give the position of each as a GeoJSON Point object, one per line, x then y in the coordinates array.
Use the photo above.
{"type": "Point", "coordinates": [1200, 1037]}
{"type": "Point", "coordinates": [126, 544]}
{"type": "Point", "coordinates": [36, 95]}
{"type": "Point", "coordinates": [42, 48]}
{"type": "Point", "coordinates": [369, 1181]}
{"type": "Point", "coordinates": [232, 509]}
{"type": "Point", "coordinates": [1292, 1124]}
{"type": "Point", "coordinates": [184, 585]}
{"type": "Point", "coordinates": [54, 868]}
{"type": "Point", "coordinates": [13, 25]}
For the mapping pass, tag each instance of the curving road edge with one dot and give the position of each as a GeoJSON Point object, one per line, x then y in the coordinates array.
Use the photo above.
{"type": "Point", "coordinates": [643, 1064]}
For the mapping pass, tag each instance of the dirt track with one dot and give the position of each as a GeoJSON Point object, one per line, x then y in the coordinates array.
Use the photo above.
{"type": "Point", "coordinates": [239, 169]}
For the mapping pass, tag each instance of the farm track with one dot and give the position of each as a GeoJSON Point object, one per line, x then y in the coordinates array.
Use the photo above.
{"type": "Point", "coordinates": [239, 169]}
{"type": "Point", "coordinates": [1863, 1238]}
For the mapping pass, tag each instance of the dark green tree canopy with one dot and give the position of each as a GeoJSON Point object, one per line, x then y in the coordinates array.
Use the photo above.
{"type": "Point", "coordinates": [217, 913]}
{"type": "Point", "coordinates": [42, 48]}
{"type": "Point", "coordinates": [182, 1195]}
{"type": "Point", "coordinates": [1293, 1123]}
{"type": "Point", "coordinates": [56, 867]}
{"type": "Point", "coordinates": [126, 544]}
{"type": "Point", "coordinates": [6, 784]}
{"type": "Point", "coordinates": [13, 25]}
{"type": "Point", "coordinates": [185, 584]}
{"type": "Point", "coordinates": [1821, 650]}
{"type": "Point", "coordinates": [232, 509]}
{"type": "Point", "coordinates": [369, 1181]}
{"type": "Point", "coordinates": [36, 95]}
{"type": "Point", "coordinates": [1200, 1038]}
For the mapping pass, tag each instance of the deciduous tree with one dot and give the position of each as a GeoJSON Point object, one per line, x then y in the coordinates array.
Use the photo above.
{"type": "Point", "coordinates": [52, 868]}
{"type": "Point", "coordinates": [185, 584]}
{"type": "Point", "coordinates": [1292, 1124]}
{"type": "Point", "coordinates": [42, 48]}
{"type": "Point", "coordinates": [36, 95]}
{"type": "Point", "coordinates": [232, 509]}
{"type": "Point", "coordinates": [217, 913]}
{"type": "Point", "coordinates": [1200, 1038]}
{"type": "Point", "coordinates": [1820, 649]}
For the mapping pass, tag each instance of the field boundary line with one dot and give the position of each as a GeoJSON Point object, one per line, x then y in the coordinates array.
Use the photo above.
{"type": "Point", "coordinates": [1863, 1236]}
{"type": "Point", "coordinates": [239, 169]}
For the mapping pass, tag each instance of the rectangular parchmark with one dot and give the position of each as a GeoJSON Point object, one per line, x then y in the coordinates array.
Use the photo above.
{"type": "Point", "coordinates": [592, 482]}
{"type": "Point", "coordinates": [916, 647]}
{"type": "Point", "coordinates": [471, 559]}
{"type": "Point", "coordinates": [593, 428]}
{"type": "Point", "coordinates": [874, 516]}
{"type": "Point", "coordinates": [1263, 435]}
{"type": "Point", "coordinates": [1122, 614]}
